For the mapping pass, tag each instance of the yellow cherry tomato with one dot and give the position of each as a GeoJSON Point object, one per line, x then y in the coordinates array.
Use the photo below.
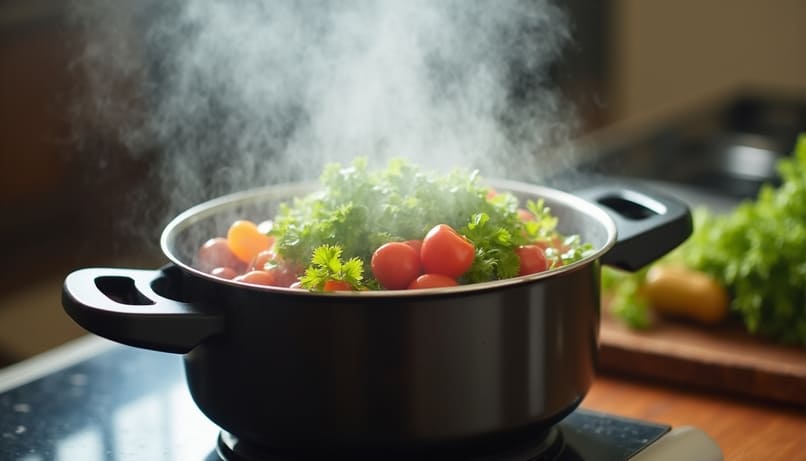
{"type": "Point", "coordinates": [246, 241]}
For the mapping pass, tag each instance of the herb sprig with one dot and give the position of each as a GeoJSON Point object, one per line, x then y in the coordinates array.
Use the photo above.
{"type": "Point", "coordinates": [327, 265]}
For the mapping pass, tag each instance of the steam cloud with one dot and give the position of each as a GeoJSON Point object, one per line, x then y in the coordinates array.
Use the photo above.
{"type": "Point", "coordinates": [230, 95]}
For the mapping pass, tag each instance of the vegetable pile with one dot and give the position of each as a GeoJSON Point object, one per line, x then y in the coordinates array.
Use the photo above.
{"type": "Point", "coordinates": [413, 229]}
{"type": "Point", "coordinates": [756, 253]}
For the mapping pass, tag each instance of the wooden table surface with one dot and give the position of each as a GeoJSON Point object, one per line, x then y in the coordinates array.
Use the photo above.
{"type": "Point", "coordinates": [745, 430]}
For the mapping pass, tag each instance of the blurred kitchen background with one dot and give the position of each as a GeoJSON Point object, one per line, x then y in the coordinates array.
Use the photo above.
{"type": "Point", "coordinates": [640, 72]}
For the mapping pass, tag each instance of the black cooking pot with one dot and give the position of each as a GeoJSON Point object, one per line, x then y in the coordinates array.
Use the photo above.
{"type": "Point", "coordinates": [381, 371]}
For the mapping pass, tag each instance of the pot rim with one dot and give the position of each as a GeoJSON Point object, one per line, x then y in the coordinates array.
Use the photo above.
{"type": "Point", "coordinates": [286, 191]}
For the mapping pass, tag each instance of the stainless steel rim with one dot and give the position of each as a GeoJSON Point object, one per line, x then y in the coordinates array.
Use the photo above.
{"type": "Point", "coordinates": [283, 192]}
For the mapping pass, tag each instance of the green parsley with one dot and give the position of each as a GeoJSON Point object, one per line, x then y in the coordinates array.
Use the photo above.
{"type": "Point", "coordinates": [327, 265]}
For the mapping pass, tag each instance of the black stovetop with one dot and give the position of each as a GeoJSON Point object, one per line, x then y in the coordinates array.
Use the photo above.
{"type": "Point", "coordinates": [119, 403]}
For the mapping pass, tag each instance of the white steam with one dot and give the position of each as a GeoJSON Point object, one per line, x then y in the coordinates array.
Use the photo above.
{"type": "Point", "coordinates": [226, 95]}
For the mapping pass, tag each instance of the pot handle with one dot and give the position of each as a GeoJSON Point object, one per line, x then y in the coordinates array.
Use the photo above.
{"type": "Point", "coordinates": [649, 224]}
{"type": "Point", "coordinates": [121, 305]}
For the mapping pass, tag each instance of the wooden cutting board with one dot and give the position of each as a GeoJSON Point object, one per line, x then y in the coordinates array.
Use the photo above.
{"type": "Point", "coordinates": [723, 359]}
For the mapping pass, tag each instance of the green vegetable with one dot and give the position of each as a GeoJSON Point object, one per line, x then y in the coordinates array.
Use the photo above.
{"type": "Point", "coordinates": [627, 303]}
{"type": "Point", "coordinates": [326, 265]}
{"type": "Point", "coordinates": [758, 251]}
{"type": "Point", "coordinates": [493, 245]}
{"type": "Point", "coordinates": [358, 210]}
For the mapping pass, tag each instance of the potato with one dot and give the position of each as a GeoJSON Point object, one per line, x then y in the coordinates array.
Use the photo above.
{"type": "Point", "coordinates": [683, 292]}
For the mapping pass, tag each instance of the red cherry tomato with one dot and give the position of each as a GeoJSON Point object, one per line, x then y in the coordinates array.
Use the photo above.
{"type": "Point", "coordinates": [337, 285]}
{"type": "Point", "coordinates": [256, 278]}
{"type": "Point", "coordinates": [216, 253]}
{"type": "Point", "coordinates": [432, 281]}
{"type": "Point", "coordinates": [395, 265]}
{"type": "Point", "coordinates": [525, 215]}
{"type": "Point", "coordinates": [416, 244]}
{"type": "Point", "coordinates": [259, 261]}
{"type": "Point", "coordinates": [446, 252]}
{"type": "Point", "coordinates": [224, 273]}
{"type": "Point", "coordinates": [532, 259]}
{"type": "Point", "coordinates": [246, 241]}
{"type": "Point", "coordinates": [284, 275]}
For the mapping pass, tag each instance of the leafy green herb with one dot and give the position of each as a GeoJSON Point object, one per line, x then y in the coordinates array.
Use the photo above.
{"type": "Point", "coordinates": [327, 265]}
{"type": "Point", "coordinates": [544, 225]}
{"type": "Point", "coordinates": [495, 258]}
{"type": "Point", "coordinates": [627, 303]}
{"type": "Point", "coordinates": [575, 249]}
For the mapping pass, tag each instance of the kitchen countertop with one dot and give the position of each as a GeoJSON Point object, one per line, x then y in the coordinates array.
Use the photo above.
{"type": "Point", "coordinates": [745, 430]}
